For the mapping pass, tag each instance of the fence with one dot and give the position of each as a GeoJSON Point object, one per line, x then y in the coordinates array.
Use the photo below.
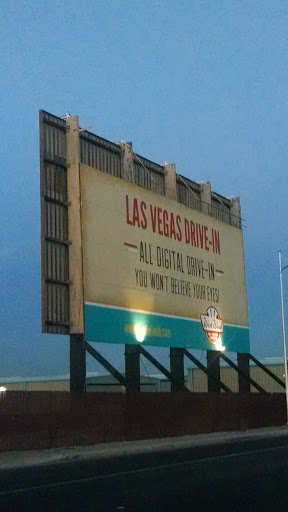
{"type": "Point", "coordinates": [36, 420]}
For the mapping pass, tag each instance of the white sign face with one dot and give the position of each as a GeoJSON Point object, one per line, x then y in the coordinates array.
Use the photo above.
{"type": "Point", "coordinates": [151, 262]}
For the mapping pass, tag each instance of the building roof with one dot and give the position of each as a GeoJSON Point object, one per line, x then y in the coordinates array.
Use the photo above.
{"type": "Point", "coordinates": [51, 378]}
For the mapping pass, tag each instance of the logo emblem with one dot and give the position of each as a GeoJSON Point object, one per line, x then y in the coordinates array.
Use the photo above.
{"type": "Point", "coordinates": [212, 325]}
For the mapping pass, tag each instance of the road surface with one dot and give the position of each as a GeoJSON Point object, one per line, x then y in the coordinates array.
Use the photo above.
{"type": "Point", "coordinates": [236, 475]}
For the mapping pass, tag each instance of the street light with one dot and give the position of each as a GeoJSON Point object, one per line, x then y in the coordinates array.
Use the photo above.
{"type": "Point", "coordinates": [281, 269]}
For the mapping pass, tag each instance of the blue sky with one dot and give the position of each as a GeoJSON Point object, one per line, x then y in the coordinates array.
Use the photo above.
{"type": "Point", "coordinates": [199, 83]}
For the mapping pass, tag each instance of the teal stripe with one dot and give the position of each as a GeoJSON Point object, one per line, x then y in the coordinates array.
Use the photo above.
{"type": "Point", "coordinates": [107, 325]}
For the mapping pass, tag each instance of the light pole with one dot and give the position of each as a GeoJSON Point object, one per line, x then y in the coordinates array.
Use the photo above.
{"type": "Point", "coordinates": [281, 269]}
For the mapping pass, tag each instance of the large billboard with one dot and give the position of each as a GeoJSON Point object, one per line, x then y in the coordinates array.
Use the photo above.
{"type": "Point", "coordinates": [133, 252]}
{"type": "Point", "coordinates": [157, 272]}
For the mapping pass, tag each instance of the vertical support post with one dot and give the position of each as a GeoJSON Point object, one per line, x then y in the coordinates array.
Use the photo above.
{"type": "Point", "coordinates": [132, 367]}
{"type": "Point", "coordinates": [243, 365]}
{"type": "Point", "coordinates": [170, 181]}
{"type": "Point", "coordinates": [127, 160]}
{"type": "Point", "coordinates": [77, 363]}
{"type": "Point", "coordinates": [132, 353]}
{"type": "Point", "coordinates": [77, 342]}
{"type": "Point", "coordinates": [74, 226]}
{"type": "Point", "coordinates": [177, 369]}
{"type": "Point", "coordinates": [213, 366]}
{"type": "Point", "coordinates": [176, 354]}
{"type": "Point", "coordinates": [205, 195]}
{"type": "Point", "coordinates": [235, 210]}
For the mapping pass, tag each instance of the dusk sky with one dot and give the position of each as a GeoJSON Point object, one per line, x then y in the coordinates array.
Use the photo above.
{"type": "Point", "coordinates": [199, 83]}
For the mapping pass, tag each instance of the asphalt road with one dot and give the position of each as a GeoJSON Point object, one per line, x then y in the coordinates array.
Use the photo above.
{"type": "Point", "coordinates": [245, 475]}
